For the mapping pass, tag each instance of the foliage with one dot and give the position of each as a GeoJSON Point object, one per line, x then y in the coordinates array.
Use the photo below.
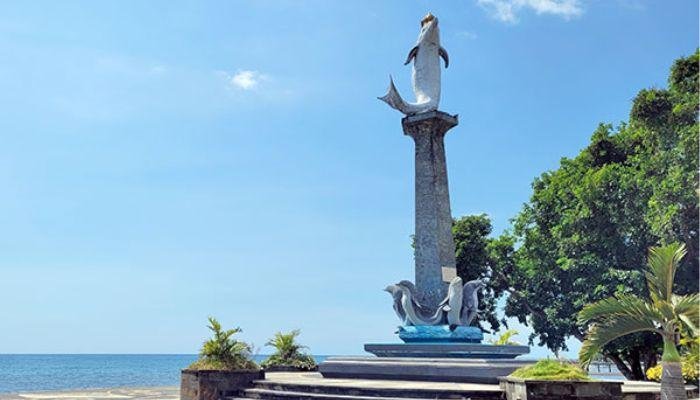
{"type": "Point", "coordinates": [302, 362]}
{"type": "Point", "coordinates": [584, 234]}
{"type": "Point", "coordinates": [474, 257]}
{"type": "Point", "coordinates": [551, 370]}
{"type": "Point", "coordinates": [690, 362]}
{"type": "Point", "coordinates": [504, 339]}
{"type": "Point", "coordinates": [223, 352]}
{"type": "Point", "coordinates": [664, 313]}
{"type": "Point", "coordinates": [690, 372]}
{"type": "Point", "coordinates": [288, 352]}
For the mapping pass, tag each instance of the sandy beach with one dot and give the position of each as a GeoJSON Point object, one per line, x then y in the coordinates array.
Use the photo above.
{"type": "Point", "coordinates": [153, 393]}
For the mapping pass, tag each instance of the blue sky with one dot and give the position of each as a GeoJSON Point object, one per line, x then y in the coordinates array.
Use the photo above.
{"type": "Point", "coordinates": [163, 161]}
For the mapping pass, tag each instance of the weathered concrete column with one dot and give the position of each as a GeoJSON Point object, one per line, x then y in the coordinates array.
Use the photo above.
{"type": "Point", "coordinates": [434, 245]}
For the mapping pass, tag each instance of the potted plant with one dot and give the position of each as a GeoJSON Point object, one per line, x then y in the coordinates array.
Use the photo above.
{"type": "Point", "coordinates": [288, 355]}
{"type": "Point", "coordinates": [554, 379]}
{"type": "Point", "coordinates": [224, 367]}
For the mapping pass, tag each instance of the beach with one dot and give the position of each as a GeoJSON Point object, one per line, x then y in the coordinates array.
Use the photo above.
{"type": "Point", "coordinates": [151, 393]}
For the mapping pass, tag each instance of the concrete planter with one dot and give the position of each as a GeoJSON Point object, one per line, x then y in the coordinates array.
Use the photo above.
{"type": "Point", "coordinates": [215, 385]}
{"type": "Point", "coordinates": [288, 368]}
{"type": "Point", "coordinates": [520, 389]}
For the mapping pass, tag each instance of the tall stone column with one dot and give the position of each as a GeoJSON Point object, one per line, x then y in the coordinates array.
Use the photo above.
{"type": "Point", "coordinates": [434, 245]}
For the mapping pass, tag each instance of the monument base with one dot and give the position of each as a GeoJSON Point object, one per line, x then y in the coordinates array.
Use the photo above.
{"type": "Point", "coordinates": [440, 334]}
{"type": "Point", "coordinates": [446, 350]}
{"type": "Point", "coordinates": [420, 369]}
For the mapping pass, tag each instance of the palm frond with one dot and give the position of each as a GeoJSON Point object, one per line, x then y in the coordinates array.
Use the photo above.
{"type": "Point", "coordinates": [666, 309]}
{"type": "Point", "coordinates": [223, 350]}
{"type": "Point", "coordinates": [602, 333]}
{"type": "Point", "coordinates": [662, 265]}
{"type": "Point", "coordinates": [621, 305]}
{"type": "Point", "coordinates": [214, 325]}
{"type": "Point", "coordinates": [285, 343]}
{"type": "Point", "coordinates": [690, 326]}
{"type": "Point", "coordinates": [687, 304]}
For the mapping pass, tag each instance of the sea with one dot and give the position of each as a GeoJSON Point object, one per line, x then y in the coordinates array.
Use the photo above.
{"type": "Point", "coordinates": [21, 373]}
{"type": "Point", "coordinates": [41, 372]}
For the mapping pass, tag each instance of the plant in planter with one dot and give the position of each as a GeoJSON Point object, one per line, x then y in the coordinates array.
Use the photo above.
{"type": "Point", "coordinates": [551, 370]}
{"type": "Point", "coordinates": [288, 355]}
{"type": "Point", "coordinates": [554, 379]}
{"type": "Point", "coordinates": [224, 367]}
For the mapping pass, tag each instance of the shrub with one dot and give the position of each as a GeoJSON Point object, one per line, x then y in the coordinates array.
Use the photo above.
{"type": "Point", "coordinates": [690, 372]}
{"type": "Point", "coordinates": [551, 370]}
{"type": "Point", "coordinates": [223, 352]}
{"type": "Point", "coordinates": [288, 353]}
{"type": "Point", "coordinates": [504, 339]}
{"type": "Point", "coordinates": [690, 365]}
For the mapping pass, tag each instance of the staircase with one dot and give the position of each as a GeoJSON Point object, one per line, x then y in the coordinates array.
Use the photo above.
{"type": "Point", "coordinates": [312, 386]}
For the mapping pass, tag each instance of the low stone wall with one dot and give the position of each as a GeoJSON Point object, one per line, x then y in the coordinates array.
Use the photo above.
{"type": "Point", "coordinates": [214, 385]}
{"type": "Point", "coordinates": [519, 389]}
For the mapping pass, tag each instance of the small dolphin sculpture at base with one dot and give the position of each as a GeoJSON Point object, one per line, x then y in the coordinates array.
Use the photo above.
{"type": "Point", "coordinates": [459, 308]}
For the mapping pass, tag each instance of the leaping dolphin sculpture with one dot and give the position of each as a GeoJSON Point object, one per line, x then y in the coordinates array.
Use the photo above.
{"type": "Point", "coordinates": [409, 310]}
{"type": "Point", "coordinates": [426, 71]}
{"type": "Point", "coordinates": [459, 308]}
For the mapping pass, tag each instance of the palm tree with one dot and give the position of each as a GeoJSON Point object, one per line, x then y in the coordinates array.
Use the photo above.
{"type": "Point", "coordinates": [286, 344]}
{"type": "Point", "coordinates": [223, 350]}
{"type": "Point", "coordinates": [288, 352]}
{"type": "Point", "coordinates": [664, 313]}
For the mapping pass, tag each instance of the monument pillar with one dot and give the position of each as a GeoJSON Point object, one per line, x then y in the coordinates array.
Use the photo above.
{"type": "Point", "coordinates": [434, 244]}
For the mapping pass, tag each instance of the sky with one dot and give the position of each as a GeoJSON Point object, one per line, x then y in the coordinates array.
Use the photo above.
{"type": "Point", "coordinates": [164, 161]}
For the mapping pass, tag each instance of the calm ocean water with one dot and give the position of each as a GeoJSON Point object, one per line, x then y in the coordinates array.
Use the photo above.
{"type": "Point", "coordinates": [35, 372]}
{"type": "Point", "coordinates": [25, 373]}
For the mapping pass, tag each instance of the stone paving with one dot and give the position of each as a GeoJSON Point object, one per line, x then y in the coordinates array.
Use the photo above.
{"type": "Point", "coordinates": [173, 392]}
{"type": "Point", "coordinates": [313, 378]}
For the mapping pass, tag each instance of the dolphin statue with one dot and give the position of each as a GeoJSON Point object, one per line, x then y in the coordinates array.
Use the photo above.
{"type": "Point", "coordinates": [470, 302]}
{"type": "Point", "coordinates": [426, 71]}
{"type": "Point", "coordinates": [408, 310]}
{"type": "Point", "coordinates": [452, 304]}
{"type": "Point", "coordinates": [397, 295]}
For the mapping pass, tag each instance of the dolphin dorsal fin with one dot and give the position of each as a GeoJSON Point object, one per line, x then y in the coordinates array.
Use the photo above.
{"type": "Point", "coordinates": [411, 55]}
{"type": "Point", "coordinates": [443, 54]}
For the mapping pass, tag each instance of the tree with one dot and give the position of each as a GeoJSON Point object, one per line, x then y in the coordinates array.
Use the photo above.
{"type": "Point", "coordinates": [664, 313]}
{"type": "Point", "coordinates": [477, 257]}
{"type": "Point", "coordinates": [584, 234]}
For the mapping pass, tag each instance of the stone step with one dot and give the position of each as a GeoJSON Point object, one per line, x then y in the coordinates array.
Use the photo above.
{"type": "Point", "coordinates": [376, 391]}
{"type": "Point", "coordinates": [465, 370]}
{"type": "Point", "coordinates": [268, 394]}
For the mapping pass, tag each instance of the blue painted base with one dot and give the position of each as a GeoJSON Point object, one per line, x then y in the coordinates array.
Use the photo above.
{"type": "Point", "coordinates": [440, 334]}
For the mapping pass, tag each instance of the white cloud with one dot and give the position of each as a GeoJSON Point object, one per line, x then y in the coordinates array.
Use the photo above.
{"type": "Point", "coordinates": [467, 35]}
{"type": "Point", "coordinates": [507, 10]}
{"type": "Point", "coordinates": [246, 79]}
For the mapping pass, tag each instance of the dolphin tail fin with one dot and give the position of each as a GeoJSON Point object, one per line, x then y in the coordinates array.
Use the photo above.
{"type": "Point", "coordinates": [393, 98]}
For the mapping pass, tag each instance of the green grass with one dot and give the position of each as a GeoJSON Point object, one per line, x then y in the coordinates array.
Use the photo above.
{"type": "Point", "coordinates": [551, 370]}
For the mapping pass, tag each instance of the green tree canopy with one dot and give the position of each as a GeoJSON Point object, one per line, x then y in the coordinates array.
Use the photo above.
{"type": "Point", "coordinates": [477, 257]}
{"type": "Point", "coordinates": [584, 234]}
